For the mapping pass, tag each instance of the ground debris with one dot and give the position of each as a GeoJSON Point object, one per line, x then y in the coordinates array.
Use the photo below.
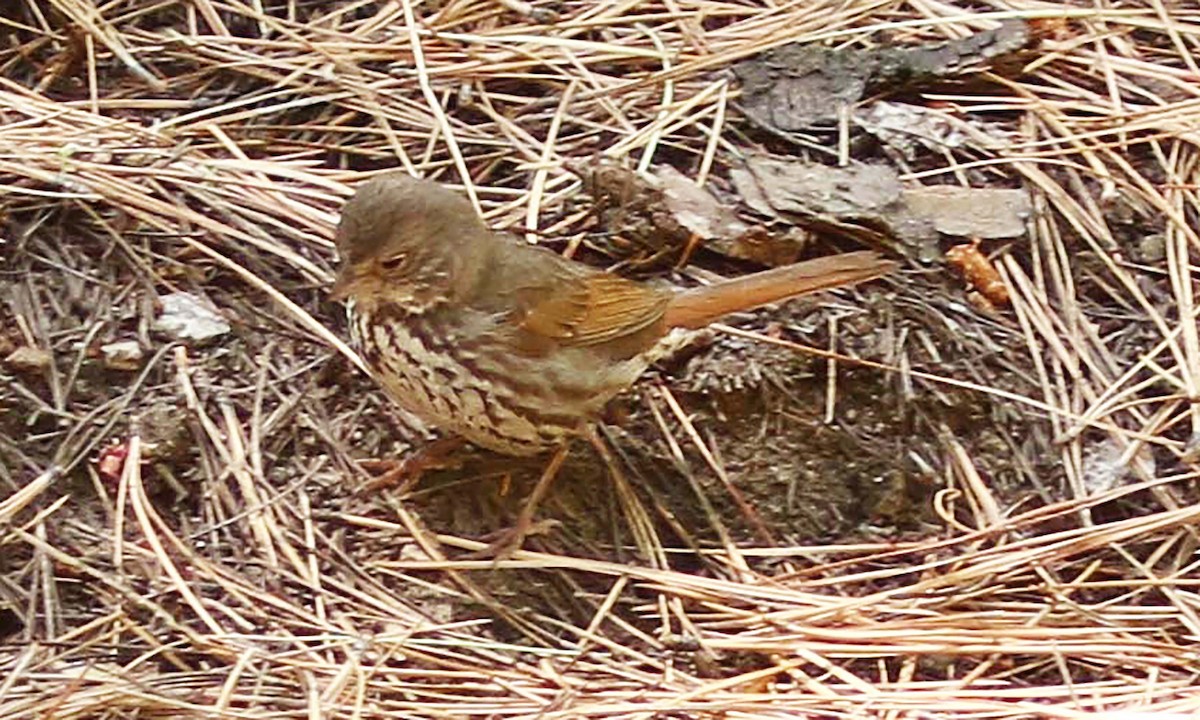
{"type": "Point", "coordinates": [985, 213]}
{"type": "Point", "coordinates": [190, 317]}
{"type": "Point", "coordinates": [1108, 464]}
{"type": "Point", "coordinates": [871, 203]}
{"type": "Point", "coordinates": [664, 209]}
{"type": "Point", "coordinates": [979, 274]}
{"type": "Point", "coordinates": [802, 86]}
{"type": "Point", "coordinates": [122, 355]}
{"type": "Point", "coordinates": [28, 360]}
{"type": "Point", "coordinates": [904, 128]}
{"type": "Point", "coordinates": [142, 601]}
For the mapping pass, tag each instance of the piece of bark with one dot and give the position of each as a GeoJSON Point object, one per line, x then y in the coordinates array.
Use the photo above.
{"type": "Point", "coordinates": [804, 86]}
{"type": "Point", "coordinates": [862, 201]}
{"type": "Point", "coordinates": [984, 213]}
{"type": "Point", "coordinates": [869, 202]}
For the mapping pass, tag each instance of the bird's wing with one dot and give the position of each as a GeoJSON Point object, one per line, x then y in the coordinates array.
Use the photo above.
{"type": "Point", "coordinates": [589, 309]}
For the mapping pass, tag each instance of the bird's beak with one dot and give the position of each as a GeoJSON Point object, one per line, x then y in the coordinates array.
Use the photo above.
{"type": "Point", "coordinates": [344, 285]}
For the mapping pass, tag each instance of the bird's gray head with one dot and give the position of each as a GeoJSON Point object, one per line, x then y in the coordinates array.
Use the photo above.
{"type": "Point", "coordinates": [406, 240]}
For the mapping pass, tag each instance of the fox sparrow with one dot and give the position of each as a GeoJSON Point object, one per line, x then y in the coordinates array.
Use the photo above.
{"type": "Point", "coordinates": [511, 346]}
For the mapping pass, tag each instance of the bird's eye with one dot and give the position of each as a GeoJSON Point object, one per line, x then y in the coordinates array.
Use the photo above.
{"type": "Point", "coordinates": [393, 262]}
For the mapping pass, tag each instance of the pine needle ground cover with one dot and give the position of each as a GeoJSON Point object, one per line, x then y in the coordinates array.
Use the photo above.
{"type": "Point", "coordinates": [915, 499]}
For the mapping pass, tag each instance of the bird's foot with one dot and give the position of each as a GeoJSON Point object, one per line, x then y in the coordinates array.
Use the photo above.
{"type": "Point", "coordinates": [503, 543]}
{"type": "Point", "coordinates": [407, 471]}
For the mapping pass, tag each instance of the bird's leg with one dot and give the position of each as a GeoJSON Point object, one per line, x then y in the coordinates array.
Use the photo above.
{"type": "Point", "coordinates": [408, 470]}
{"type": "Point", "coordinates": [509, 541]}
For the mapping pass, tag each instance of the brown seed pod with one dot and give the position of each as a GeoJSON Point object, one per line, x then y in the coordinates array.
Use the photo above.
{"type": "Point", "coordinates": [978, 272]}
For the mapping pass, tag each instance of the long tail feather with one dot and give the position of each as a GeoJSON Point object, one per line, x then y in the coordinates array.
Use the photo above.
{"type": "Point", "coordinates": [698, 307]}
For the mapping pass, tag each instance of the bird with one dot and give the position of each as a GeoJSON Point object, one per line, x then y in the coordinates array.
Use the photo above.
{"type": "Point", "coordinates": [508, 345]}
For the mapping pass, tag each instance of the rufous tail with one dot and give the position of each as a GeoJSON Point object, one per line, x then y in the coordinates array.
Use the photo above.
{"type": "Point", "coordinates": [701, 306]}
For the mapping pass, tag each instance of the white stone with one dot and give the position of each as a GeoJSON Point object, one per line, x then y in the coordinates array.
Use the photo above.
{"type": "Point", "coordinates": [188, 317]}
{"type": "Point", "coordinates": [122, 355]}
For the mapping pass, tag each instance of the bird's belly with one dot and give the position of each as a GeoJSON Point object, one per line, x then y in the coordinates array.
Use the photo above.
{"type": "Point", "coordinates": [486, 393]}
